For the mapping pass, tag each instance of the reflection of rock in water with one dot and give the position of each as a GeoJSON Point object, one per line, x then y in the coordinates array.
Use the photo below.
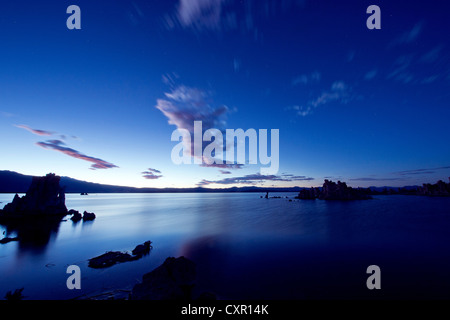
{"type": "Point", "coordinates": [212, 256]}
{"type": "Point", "coordinates": [35, 217]}
{"type": "Point", "coordinates": [173, 280]}
{"type": "Point", "coordinates": [33, 234]}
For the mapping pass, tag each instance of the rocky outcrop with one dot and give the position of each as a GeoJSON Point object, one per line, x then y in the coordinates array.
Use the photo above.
{"type": "Point", "coordinates": [76, 216]}
{"type": "Point", "coordinates": [308, 194]}
{"type": "Point", "coordinates": [88, 216]}
{"type": "Point", "coordinates": [439, 189]}
{"type": "Point", "coordinates": [111, 258]}
{"type": "Point", "coordinates": [142, 249]}
{"type": "Point", "coordinates": [334, 191]}
{"type": "Point", "coordinates": [340, 191]}
{"type": "Point", "coordinates": [173, 280]}
{"type": "Point", "coordinates": [44, 197]}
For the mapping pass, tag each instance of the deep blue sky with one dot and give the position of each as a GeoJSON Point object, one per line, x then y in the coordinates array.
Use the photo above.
{"type": "Point", "coordinates": [369, 107]}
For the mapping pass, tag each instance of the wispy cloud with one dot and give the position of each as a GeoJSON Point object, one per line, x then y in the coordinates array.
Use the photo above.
{"type": "Point", "coordinates": [223, 165]}
{"type": "Point", "coordinates": [408, 36]}
{"type": "Point", "coordinates": [305, 79]}
{"type": "Point", "coordinates": [35, 131]}
{"type": "Point", "coordinates": [58, 145]}
{"type": "Point", "coordinates": [339, 92]}
{"type": "Point", "coordinates": [401, 71]}
{"type": "Point", "coordinates": [200, 13]}
{"type": "Point", "coordinates": [420, 171]}
{"type": "Point", "coordinates": [375, 179]}
{"type": "Point", "coordinates": [6, 114]}
{"type": "Point", "coordinates": [371, 74]}
{"type": "Point", "coordinates": [225, 15]}
{"type": "Point", "coordinates": [252, 179]}
{"type": "Point", "coordinates": [184, 105]}
{"type": "Point", "coordinates": [432, 55]}
{"type": "Point", "coordinates": [151, 174]}
{"type": "Point", "coordinates": [225, 172]}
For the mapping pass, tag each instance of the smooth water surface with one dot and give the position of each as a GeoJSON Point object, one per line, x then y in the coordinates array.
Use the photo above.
{"type": "Point", "coordinates": [245, 247]}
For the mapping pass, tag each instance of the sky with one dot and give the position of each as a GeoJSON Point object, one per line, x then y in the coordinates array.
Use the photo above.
{"type": "Point", "coordinates": [365, 106]}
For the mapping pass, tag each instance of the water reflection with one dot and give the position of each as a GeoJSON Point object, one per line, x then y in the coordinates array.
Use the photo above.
{"type": "Point", "coordinates": [34, 235]}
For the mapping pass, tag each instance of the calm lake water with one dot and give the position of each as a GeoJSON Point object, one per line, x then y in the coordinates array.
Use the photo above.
{"type": "Point", "coordinates": [245, 247]}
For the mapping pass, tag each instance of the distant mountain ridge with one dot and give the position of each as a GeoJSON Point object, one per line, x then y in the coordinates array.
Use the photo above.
{"type": "Point", "coordinates": [13, 182]}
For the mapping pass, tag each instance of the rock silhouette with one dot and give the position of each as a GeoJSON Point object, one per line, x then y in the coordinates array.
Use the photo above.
{"type": "Point", "coordinates": [334, 191]}
{"type": "Point", "coordinates": [35, 217]}
{"type": "Point", "coordinates": [88, 216]}
{"type": "Point", "coordinates": [44, 197]}
{"type": "Point", "coordinates": [111, 258]}
{"type": "Point", "coordinates": [439, 189]}
{"type": "Point", "coordinates": [76, 216]}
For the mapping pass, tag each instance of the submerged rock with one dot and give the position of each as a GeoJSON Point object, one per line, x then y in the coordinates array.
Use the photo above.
{"type": "Point", "coordinates": [173, 280]}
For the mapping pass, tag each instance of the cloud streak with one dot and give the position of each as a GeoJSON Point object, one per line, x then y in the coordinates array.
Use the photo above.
{"type": "Point", "coordinates": [339, 92]}
{"type": "Point", "coordinates": [35, 131]}
{"type": "Point", "coordinates": [305, 79]}
{"type": "Point", "coordinates": [151, 174]}
{"type": "Point", "coordinates": [253, 179]}
{"type": "Point", "coordinates": [58, 145]}
{"type": "Point", "coordinates": [420, 171]}
{"type": "Point", "coordinates": [409, 36]}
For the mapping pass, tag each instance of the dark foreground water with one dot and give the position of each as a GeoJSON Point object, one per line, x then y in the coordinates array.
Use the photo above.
{"type": "Point", "coordinates": [244, 247]}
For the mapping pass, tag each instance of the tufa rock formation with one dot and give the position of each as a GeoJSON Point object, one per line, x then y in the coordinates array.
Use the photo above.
{"type": "Point", "coordinates": [44, 197]}
{"type": "Point", "coordinates": [439, 189]}
{"type": "Point", "coordinates": [334, 191]}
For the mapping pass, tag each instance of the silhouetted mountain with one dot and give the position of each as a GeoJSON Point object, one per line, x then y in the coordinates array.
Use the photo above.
{"type": "Point", "coordinates": [13, 182]}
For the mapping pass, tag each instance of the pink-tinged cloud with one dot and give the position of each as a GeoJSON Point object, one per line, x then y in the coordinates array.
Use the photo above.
{"type": "Point", "coordinates": [151, 174]}
{"type": "Point", "coordinates": [35, 131]}
{"type": "Point", "coordinates": [57, 145]}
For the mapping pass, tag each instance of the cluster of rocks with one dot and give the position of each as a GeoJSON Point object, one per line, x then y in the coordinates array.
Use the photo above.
{"type": "Point", "coordinates": [334, 191]}
{"type": "Point", "coordinates": [439, 189]}
{"type": "Point", "coordinates": [111, 258]}
{"type": "Point", "coordinates": [76, 215]}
